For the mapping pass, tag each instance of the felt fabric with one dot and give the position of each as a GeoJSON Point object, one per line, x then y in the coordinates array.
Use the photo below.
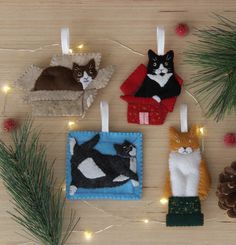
{"type": "Point", "coordinates": [137, 106]}
{"type": "Point", "coordinates": [187, 180]}
{"type": "Point", "coordinates": [160, 82]}
{"type": "Point", "coordinates": [187, 173]}
{"type": "Point", "coordinates": [56, 78]}
{"type": "Point", "coordinates": [71, 103]}
{"type": "Point", "coordinates": [184, 211]}
{"type": "Point", "coordinates": [104, 165]}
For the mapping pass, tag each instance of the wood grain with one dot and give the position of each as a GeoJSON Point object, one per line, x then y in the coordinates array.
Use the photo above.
{"type": "Point", "coordinates": [31, 24]}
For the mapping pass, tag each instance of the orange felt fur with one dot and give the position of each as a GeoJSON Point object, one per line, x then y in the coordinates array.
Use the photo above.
{"type": "Point", "coordinates": [189, 139]}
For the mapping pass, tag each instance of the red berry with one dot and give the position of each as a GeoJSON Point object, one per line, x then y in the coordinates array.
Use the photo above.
{"type": "Point", "coordinates": [181, 29]}
{"type": "Point", "coordinates": [230, 139]}
{"type": "Point", "coordinates": [9, 124]}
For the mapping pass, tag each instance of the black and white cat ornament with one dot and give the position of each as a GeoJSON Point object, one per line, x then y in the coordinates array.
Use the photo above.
{"type": "Point", "coordinates": [151, 91]}
{"type": "Point", "coordinates": [104, 165]}
{"type": "Point", "coordinates": [68, 86]}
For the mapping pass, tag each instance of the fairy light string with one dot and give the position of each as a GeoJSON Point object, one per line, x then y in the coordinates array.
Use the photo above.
{"type": "Point", "coordinates": [73, 125]}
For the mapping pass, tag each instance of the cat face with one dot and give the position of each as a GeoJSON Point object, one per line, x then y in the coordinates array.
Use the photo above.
{"type": "Point", "coordinates": [160, 67]}
{"type": "Point", "coordinates": [160, 64]}
{"type": "Point", "coordinates": [85, 74]}
{"type": "Point", "coordinates": [184, 143]}
{"type": "Point", "coordinates": [126, 149]}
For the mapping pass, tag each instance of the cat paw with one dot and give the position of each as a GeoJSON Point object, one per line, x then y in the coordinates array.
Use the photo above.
{"type": "Point", "coordinates": [89, 100]}
{"type": "Point", "coordinates": [135, 183]}
{"type": "Point", "coordinates": [156, 98]}
{"type": "Point", "coordinates": [73, 190]}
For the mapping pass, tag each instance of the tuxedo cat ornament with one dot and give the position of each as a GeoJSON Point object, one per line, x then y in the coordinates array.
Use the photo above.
{"type": "Point", "coordinates": [67, 87]}
{"type": "Point", "coordinates": [62, 78]}
{"type": "Point", "coordinates": [104, 165]}
{"type": "Point", "coordinates": [160, 82]}
{"type": "Point", "coordinates": [188, 180]}
{"type": "Point", "coordinates": [151, 91]}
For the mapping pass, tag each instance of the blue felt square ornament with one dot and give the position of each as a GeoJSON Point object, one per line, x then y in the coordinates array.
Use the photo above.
{"type": "Point", "coordinates": [105, 145]}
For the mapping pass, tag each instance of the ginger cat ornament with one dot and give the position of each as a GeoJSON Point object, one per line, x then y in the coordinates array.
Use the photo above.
{"type": "Point", "coordinates": [188, 179]}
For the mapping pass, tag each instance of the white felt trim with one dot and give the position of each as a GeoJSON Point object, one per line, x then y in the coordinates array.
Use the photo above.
{"type": "Point", "coordinates": [120, 178]}
{"type": "Point", "coordinates": [184, 118]}
{"type": "Point", "coordinates": [72, 143]}
{"type": "Point", "coordinates": [90, 169]}
{"type": "Point", "coordinates": [160, 40]}
{"type": "Point", "coordinates": [65, 40]}
{"type": "Point", "coordinates": [184, 173]}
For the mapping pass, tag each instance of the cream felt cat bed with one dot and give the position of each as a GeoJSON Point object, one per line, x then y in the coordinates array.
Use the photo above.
{"type": "Point", "coordinates": [63, 102]}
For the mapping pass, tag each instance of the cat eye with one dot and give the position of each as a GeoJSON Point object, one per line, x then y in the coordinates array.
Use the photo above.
{"type": "Point", "coordinates": [154, 64]}
{"type": "Point", "coordinates": [177, 140]}
{"type": "Point", "coordinates": [190, 141]}
{"type": "Point", "coordinates": [166, 63]}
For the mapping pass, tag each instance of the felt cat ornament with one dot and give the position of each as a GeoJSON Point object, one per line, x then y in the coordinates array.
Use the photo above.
{"type": "Point", "coordinates": [160, 82]}
{"type": "Point", "coordinates": [68, 86]}
{"type": "Point", "coordinates": [63, 78]}
{"type": "Point", "coordinates": [92, 169]}
{"type": "Point", "coordinates": [187, 181]}
{"type": "Point", "coordinates": [188, 174]}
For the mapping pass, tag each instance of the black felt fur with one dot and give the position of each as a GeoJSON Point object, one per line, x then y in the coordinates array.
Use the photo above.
{"type": "Point", "coordinates": [112, 165]}
{"type": "Point", "coordinates": [150, 87]}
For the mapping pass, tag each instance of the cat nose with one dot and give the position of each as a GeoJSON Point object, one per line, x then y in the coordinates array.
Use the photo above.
{"type": "Point", "coordinates": [184, 147]}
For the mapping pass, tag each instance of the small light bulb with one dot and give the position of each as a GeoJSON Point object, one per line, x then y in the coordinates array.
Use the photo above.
{"type": "Point", "coordinates": [163, 200]}
{"type": "Point", "coordinates": [201, 130]}
{"type": "Point", "coordinates": [88, 235]}
{"type": "Point", "coordinates": [6, 89]}
{"type": "Point", "coordinates": [71, 51]}
{"type": "Point", "coordinates": [146, 221]}
{"type": "Point", "coordinates": [80, 46]}
{"type": "Point", "coordinates": [64, 187]}
{"type": "Point", "coordinates": [71, 124]}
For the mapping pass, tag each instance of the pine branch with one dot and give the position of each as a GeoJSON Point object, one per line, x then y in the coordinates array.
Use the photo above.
{"type": "Point", "coordinates": [214, 56]}
{"type": "Point", "coordinates": [38, 206]}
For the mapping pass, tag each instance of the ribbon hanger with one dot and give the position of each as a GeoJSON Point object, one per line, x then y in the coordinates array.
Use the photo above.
{"type": "Point", "coordinates": [184, 118]}
{"type": "Point", "coordinates": [104, 109]}
{"type": "Point", "coordinates": [65, 40]}
{"type": "Point", "coordinates": [160, 40]}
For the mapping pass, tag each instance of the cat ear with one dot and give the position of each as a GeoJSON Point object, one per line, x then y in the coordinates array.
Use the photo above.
{"type": "Point", "coordinates": [72, 143]}
{"type": "Point", "coordinates": [151, 54]}
{"type": "Point", "coordinates": [75, 67]}
{"type": "Point", "coordinates": [91, 64]}
{"type": "Point", "coordinates": [117, 147]}
{"type": "Point", "coordinates": [127, 142]}
{"type": "Point", "coordinates": [174, 133]}
{"type": "Point", "coordinates": [170, 55]}
{"type": "Point", "coordinates": [193, 131]}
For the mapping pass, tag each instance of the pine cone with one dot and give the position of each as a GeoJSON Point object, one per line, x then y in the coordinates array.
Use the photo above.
{"type": "Point", "coordinates": [226, 190]}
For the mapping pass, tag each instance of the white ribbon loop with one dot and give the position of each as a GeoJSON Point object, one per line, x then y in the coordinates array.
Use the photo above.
{"type": "Point", "coordinates": [65, 40]}
{"type": "Point", "coordinates": [184, 118]}
{"type": "Point", "coordinates": [160, 40]}
{"type": "Point", "coordinates": [104, 109]}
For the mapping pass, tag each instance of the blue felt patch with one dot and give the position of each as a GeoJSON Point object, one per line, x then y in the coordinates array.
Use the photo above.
{"type": "Point", "coordinates": [105, 145]}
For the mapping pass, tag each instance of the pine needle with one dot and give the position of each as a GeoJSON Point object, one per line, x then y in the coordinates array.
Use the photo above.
{"type": "Point", "coordinates": [214, 56]}
{"type": "Point", "coordinates": [38, 206]}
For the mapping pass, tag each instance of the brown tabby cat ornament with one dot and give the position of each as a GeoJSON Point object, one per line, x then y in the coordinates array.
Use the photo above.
{"type": "Point", "coordinates": [62, 78]}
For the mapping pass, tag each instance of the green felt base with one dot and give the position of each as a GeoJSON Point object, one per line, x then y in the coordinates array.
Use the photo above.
{"type": "Point", "coordinates": [184, 211]}
{"type": "Point", "coordinates": [184, 219]}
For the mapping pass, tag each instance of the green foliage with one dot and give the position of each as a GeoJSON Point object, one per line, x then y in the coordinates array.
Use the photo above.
{"type": "Point", "coordinates": [214, 56]}
{"type": "Point", "coordinates": [39, 207]}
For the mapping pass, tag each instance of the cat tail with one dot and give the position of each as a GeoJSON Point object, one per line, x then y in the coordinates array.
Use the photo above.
{"type": "Point", "coordinates": [91, 143]}
{"type": "Point", "coordinates": [204, 180]}
{"type": "Point", "coordinates": [167, 188]}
